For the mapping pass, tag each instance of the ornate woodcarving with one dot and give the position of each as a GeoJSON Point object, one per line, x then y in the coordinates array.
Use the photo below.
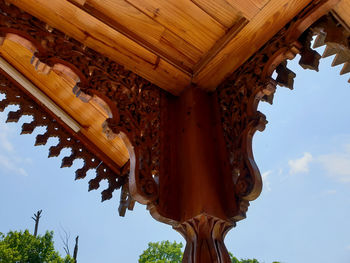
{"type": "Point", "coordinates": [205, 235]}
{"type": "Point", "coordinates": [54, 129]}
{"type": "Point", "coordinates": [194, 190]}
{"type": "Point", "coordinates": [330, 33]}
{"type": "Point", "coordinates": [240, 94]}
{"type": "Point", "coordinates": [238, 99]}
{"type": "Point", "coordinates": [135, 103]}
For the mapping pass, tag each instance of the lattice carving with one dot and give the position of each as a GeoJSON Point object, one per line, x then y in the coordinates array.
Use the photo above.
{"type": "Point", "coordinates": [135, 102]}
{"type": "Point", "coordinates": [28, 107]}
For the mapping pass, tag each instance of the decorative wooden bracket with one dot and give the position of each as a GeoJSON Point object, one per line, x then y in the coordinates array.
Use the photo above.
{"type": "Point", "coordinates": [53, 50]}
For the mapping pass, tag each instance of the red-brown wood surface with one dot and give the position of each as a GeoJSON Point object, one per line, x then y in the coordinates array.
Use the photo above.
{"type": "Point", "coordinates": [191, 159]}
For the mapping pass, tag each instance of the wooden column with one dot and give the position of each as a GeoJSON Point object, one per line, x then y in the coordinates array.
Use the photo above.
{"type": "Point", "coordinates": [193, 161]}
{"type": "Point", "coordinates": [195, 189]}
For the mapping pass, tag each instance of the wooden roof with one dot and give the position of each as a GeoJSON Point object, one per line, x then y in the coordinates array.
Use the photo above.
{"type": "Point", "coordinates": [172, 43]}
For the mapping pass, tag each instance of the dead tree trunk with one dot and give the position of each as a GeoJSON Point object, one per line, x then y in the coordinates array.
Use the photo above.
{"type": "Point", "coordinates": [36, 219]}
{"type": "Point", "coordinates": [75, 253]}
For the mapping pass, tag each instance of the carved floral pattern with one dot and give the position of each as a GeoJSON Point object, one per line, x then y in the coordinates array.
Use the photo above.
{"type": "Point", "coordinates": [238, 99]}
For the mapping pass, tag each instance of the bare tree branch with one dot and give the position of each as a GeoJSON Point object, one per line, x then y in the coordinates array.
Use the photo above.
{"type": "Point", "coordinates": [36, 219]}
{"type": "Point", "coordinates": [65, 240]}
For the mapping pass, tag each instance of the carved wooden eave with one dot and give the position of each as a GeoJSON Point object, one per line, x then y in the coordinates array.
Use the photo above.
{"type": "Point", "coordinates": [22, 37]}
{"type": "Point", "coordinates": [190, 154]}
{"type": "Point", "coordinates": [80, 148]}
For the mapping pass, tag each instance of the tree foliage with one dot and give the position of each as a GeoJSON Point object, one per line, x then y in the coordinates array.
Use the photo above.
{"type": "Point", "coordinates": [167, 252]}
{"type": "Point", "coordinates": [235, 260]}
{"type": "Point", "coordinates": [162, 252]}
{"type": "Point", "coordinates": [23, 247]}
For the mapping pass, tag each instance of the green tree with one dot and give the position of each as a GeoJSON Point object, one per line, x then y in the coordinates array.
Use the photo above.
{"type": "Point", "coordinates": [162, 252]}
{"type": "Point", "coordinates": [235, 260]}
{"type": "Point", "coordinates": [249, 261]}
{"type": "Point", "coordinates": [23, 247]}
{"type": "Point", "coordinates": [167, 252]}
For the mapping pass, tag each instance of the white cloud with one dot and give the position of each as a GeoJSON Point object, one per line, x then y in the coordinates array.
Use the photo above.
{"type": "Point", "coordinates": [9, 160]}
{"type": "Point", "coordinates": [337, 165]}
{"type": "Point", "coordinates": [330, 192]}
{"type": "Point", "coordinates": [10, 165]}
{"type": "Point", "coordinates": [265, 179]}
{"type": "Point", "coordinates": [5, 143]}
{"type": "Point", "coordinates": [300, 165]}
{"type": "Point", "coordinates": [347, 247]}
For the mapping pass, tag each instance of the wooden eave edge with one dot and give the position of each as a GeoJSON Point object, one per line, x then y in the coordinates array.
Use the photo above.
{"type": "Point", "coordinates": [39, 95]}
{"type": "Point", "coordinates": [106, 168]}
{"type": "Point", "coordinates": [51, 108]}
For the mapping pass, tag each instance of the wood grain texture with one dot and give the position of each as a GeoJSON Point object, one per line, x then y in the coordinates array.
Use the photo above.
{"type": "Point", "coordinates": [79, 2]}
{"type": "Point", "coordinates": [271, 19]}
{"type": "Point", "coordinates": [248, 8]}
{"type": "Point", "coordinates": [343, 11]}
{"type": "Point", "coordinates": [59, 89]}
{"type": "Point", "coordinates": [260, 3]}
{"type": "Point", "coordinates": [220, 10]}
{"type": "Point", "coordinates": [234, 30]}
{"type": "Point", "coordinates": [133, 23]}
{"type": "Point", "coordinates": [185, 19]}
{"type": "Point", "coordinates": [95, 34]}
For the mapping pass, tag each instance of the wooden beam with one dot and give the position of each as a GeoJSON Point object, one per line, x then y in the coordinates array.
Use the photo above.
{"type": "Point", "coordinates": [93, 33]}
{"type": "Point", "coordinates": [260, 3]}
{"type": "Point", "coordinates": [269, 20]}
{"type": "Point", "coordinates": [78, 2]}
{"type": "Point", "coordinates": [248, 8]}
{"type": "Point", "coordinates": [220, 44]}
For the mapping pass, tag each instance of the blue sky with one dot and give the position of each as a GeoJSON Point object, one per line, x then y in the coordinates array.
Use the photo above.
{"type": "Point", "coordinates": [302, 215]}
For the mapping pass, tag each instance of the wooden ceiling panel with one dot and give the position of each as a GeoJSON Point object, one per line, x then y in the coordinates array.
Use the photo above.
{"type": "Point", "coordinates": [271, 19]}
{"type": "Point", "coordinates": [95, 34]}
{"type": "Point", "coordinates": [144, 30]}
{"type": "Point", "coordinates": [172, 43]}
{"type": "Point", "coordinates": [185, 19]}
